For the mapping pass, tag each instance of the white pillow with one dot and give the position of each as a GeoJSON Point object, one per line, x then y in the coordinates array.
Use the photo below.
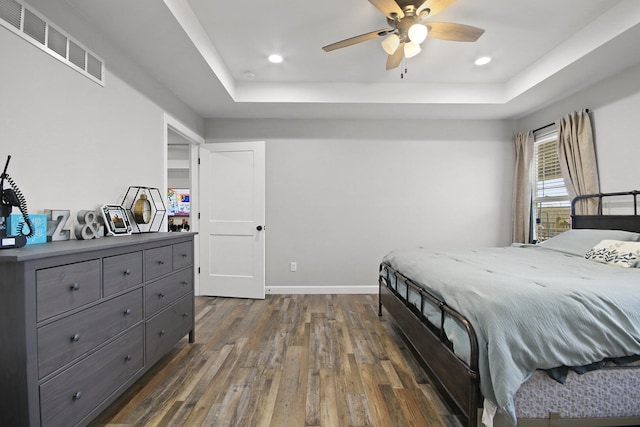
{"type": "Point", "coordinates": [615, 252]}
{"type": "Point", "coordinates": [579, 241]}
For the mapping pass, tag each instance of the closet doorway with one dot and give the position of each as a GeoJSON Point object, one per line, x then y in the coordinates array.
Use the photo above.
{"type": "Point", "coordinates": [179, 191]}
{"type": "Point", "coordinates": [181, 183]}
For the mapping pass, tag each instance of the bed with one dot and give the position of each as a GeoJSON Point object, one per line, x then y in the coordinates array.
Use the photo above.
{"type": "Point", "coordinates": [536, 335]}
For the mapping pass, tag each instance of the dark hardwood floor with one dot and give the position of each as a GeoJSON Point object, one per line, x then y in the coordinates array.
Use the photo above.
{"type": "Point", "coordinates": [288, 360]}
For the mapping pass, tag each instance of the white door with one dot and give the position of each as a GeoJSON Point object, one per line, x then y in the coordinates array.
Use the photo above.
{"type": "Point", "coordinates": [232, 229]}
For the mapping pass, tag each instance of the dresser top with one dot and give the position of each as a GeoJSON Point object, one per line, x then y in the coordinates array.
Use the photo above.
{"type": "Point", "coordinates": [49, 249]}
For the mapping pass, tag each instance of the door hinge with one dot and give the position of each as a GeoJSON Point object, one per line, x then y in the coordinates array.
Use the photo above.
{"type": "Point", "coordinates": [198, 270]}
{"type": "Point", "coordinates": [198, 215]}
{"type": "Point", "coordinates": [198, 160]}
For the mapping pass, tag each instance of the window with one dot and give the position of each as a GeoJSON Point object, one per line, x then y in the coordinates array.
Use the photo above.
{"type": "Point", "coordinates": [551, 207]}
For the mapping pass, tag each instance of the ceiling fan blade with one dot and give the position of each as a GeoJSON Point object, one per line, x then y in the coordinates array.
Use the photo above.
{"type": "Point", "coordinates": [453, 32]}
{"type": "Point", "coordinates": [434, 6]}
{"type": "Point", "coordinates": [388, 8]}
{"type": "Point", "coordinates": [357, 39]}
{"type": "Point", "coordinates": [394, 60]}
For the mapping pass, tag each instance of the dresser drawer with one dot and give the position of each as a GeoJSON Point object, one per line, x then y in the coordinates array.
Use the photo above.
{"type": "Point", "coordinates": [165, 330]}
{"type": "Point", "coordinates": [66, 339]}
{"type": "Point", "coordinates": [158, 261]}
{"type": "Point", "coordinates": [121, 272]}
{"type": "Point", "coordinates": [65, 287]}
{"type": "Point", "coordinates": [70, 396]}
{"type": "Point", "coordinates": [164, 291]}
{"type": "Point", "coordinates": [182, 255]}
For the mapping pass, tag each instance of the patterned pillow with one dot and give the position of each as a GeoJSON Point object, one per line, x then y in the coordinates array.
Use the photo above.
{"type": "Point", "coordinates": [616, 252]}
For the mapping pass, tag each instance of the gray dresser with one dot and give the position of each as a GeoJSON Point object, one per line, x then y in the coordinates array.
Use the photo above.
{"type": "Point", "coordinates": [80, 321]}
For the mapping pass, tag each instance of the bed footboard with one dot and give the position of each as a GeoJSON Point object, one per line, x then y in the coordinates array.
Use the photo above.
{"type": "Point", "coordinates": [457, 380]}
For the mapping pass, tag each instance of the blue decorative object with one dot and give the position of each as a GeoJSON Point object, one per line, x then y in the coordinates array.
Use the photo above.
{"type": "Point", "coordinates": [16, 222]}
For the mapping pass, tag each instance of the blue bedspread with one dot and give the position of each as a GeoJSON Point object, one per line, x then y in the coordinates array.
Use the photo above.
{"type": "Point", "coordinates": [532, 308]}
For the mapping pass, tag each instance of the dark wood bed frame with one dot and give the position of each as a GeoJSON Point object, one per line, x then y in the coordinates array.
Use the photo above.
{"type": "Point", "coordinates": [458, 382]}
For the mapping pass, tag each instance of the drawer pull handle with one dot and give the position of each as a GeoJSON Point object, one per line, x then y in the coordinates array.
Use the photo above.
{"type": "Point", "coordinates": [184, 255]}
{"type": "Point", "coordinates": [162, 332]}
{"type": "Point", "coordinates": [75, 338]}
{"type": "Point", "coordinates": [127, 272]}
{"type": "Point", "coordinates": [127, 312]}
{"type": "Point", "coordinates": [184, 283]}
{"type": "Point", "coordinates": [185, 315]}
{"type": "Point", "coordinates": [160, 262]}
{"type": "Point", "coordinates": [77, 395]}
{"type": "Point", "coordinates": [74, 287]}
{"type": "Point", "coordinates": [160, 295]}
{"type": "Point", "coordinates": [128, 358]}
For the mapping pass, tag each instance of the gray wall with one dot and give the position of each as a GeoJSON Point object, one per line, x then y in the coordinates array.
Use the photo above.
{"type": "Point", "coordinates": [77, 145]}
{"type": "Point", "coordinates": [615, 108]}
{"type": "Point", "coordinates": [342, 193]}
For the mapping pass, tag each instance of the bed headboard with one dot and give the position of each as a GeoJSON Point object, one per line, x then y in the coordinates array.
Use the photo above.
{"type": "Point", "coordinates": [628, 222]}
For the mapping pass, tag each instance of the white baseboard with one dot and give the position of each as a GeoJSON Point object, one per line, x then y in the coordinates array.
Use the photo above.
{"type": "Point", "coordinates": [322, 289]}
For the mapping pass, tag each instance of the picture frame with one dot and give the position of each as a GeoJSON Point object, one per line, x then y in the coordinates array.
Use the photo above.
{"type": "Point", "coordinates": [116, 220]}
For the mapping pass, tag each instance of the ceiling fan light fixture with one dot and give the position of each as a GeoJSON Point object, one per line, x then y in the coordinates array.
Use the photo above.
{"type": "Point", "coordinates": [408, 29]}
{"type": "Point", "coordinates": [411, 49]}
{"type": "Point", "coordinates": [417, 33]}
{"type": "Point", "coordinates": [391, 43]}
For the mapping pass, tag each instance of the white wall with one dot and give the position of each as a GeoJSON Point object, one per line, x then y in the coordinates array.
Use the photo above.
{"type": "Point", "coordinates": [615, 114]}
{"type": "Point", "coordinates": [341, 194]}
{"type": "Point", "coordinates": [75, 144]}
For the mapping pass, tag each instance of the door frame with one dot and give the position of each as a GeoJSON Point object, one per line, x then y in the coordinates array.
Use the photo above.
{"type": "Point", "coordinates": [172, 124]}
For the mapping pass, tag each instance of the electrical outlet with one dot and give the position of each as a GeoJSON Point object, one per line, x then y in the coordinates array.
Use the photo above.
{"type": "Point", "coordinates": [293, 267]}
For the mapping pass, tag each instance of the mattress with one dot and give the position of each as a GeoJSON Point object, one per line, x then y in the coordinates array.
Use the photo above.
{"type": "Point", "coordinates": [579, 301]}
{"type": "Point", "coordinates": [605, 393]}
{"type": "Point", "coordinates": [610, 392]}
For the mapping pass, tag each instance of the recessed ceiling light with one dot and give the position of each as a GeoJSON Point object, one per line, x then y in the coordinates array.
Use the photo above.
{"type": "Point", "coordinates": [483, 60]}
{"type": "Point", "coordinates": [276, 59]}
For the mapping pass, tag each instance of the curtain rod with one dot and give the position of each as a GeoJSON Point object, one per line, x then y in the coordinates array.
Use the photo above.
{"type": "Point", "coordinates": [551, 124]}
{"type": "Point", "coordinates": [545, 126]}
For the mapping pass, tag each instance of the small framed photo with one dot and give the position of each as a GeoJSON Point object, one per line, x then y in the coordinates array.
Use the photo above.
{"type": "Point", "coordinates": [116, 220]}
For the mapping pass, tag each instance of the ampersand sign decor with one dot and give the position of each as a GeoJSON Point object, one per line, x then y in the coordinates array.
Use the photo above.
{"type": "Point", "coordinates": [88, 226]}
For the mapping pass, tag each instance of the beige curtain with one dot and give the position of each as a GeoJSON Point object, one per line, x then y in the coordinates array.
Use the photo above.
{"type": "Point", "coordinates": [521, 208]}
{"type": "Point", "coordinates": [577, 155]}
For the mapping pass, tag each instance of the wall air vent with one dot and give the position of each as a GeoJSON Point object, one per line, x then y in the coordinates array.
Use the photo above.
{"type": "Point", "coordinates": [24, 21]}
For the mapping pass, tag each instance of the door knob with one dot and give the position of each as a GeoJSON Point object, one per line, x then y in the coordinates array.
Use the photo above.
{"type": "Point", "coordinates": [259, 228]}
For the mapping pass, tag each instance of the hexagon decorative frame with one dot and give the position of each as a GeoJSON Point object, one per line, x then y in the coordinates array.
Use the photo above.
{"type": "Point", "coordinates": [157, 206]}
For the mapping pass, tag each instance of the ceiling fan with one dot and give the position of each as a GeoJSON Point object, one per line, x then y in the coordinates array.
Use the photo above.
{"type": "Point", "coordinates": [409, 29]}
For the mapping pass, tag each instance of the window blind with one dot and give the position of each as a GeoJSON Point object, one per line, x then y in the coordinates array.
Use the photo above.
{"type": "Point", "coordinates": [549, 181]}
{"type": "Point", "coordinates": [551, 205]}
